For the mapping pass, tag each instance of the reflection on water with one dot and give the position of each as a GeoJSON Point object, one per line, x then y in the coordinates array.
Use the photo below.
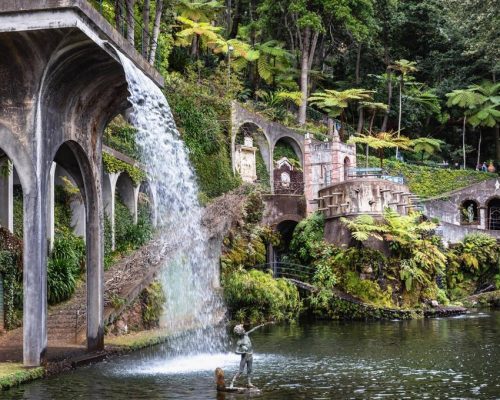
{"type": "Point", "coordinates": [452, 358]}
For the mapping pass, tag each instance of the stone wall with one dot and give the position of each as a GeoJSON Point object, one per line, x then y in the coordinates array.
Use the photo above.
{"type": "Point", "coordinates": [449, 208]}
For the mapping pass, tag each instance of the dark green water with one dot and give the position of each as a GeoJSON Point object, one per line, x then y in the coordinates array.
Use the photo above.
{"type": "Point", "coordinates": [455, 358]}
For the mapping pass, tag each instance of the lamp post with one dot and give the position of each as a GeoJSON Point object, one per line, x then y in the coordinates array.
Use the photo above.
{"type": "Point", "coordinates": [229, 51]}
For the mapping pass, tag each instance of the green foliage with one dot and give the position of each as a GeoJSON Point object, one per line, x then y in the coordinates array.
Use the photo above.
{"type": "Point", "coordinates": [255, 296]}
{"type": "Point", "coordinates": [473, 264]}
{"type": "Point", "coordinates": [11, 273]}
{"type": "Point", "coordinates": [427, 181]}
{"type": "Point", "coordinates": [153, 300]}
{"type": "Point", "coordinates": [114, 165]}
{"type": "Point", "coordinates": [121, 136]}
{"type": "Point", "coordinates": [261, 169]}
{"type": "Point", "coordinates": [307, 235]}
{"type": "Point", "coordinates": [202, 119]}
{"type": "Point", "coordinates": [65, 265]}
{"type": "Point", "coordinates": [18, 211]}
{"type": "Point", "coordinates": [246, 248]}
{"type": "Point", "coordinates": [254, 207]}
{"type": "Point", "coordinates": [130, 236]}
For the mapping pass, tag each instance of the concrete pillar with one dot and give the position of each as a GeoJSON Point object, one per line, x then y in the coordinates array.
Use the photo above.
{"type": "Point", "coordinates": [108, 193]}
{"type": "Point", "coordinates": [34, 278]}
{"type": "Point", "coordinates": [135, 211]}
{"type": "Point", "coordinates": [51, 206]}
{"type": "Point", "coordinates": [483, 218]}
{"type": "Point", "coordinates": [154, 204]}
{"type": "Point", "coordinates": [95, 268]}
{"type": "Point", "coordinates": [78, 217]}
{"type": "Point", "coordinates": [308, 176]}
{"type": "Point", "coordinates": [6, 195]}
{"type": "Point", "coordinates": [271, 167]}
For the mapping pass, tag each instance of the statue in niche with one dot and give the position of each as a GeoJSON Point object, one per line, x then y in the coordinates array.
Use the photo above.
{"type": "Point", "coordinates": [470, 213]}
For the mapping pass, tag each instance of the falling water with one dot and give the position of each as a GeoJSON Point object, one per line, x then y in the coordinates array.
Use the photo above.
{"type": "Point", "coordinates": [190, 274]}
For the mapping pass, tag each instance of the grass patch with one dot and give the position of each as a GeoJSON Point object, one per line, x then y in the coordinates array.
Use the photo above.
{"type": "Point", "coordinates": [427, 181]}
{"type": "Point", "coordinates": [139, 340]}
{"type": "Point", "coordinates": [13, 374]}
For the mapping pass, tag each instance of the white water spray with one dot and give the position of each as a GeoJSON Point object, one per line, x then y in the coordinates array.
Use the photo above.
{"type": "Point", "coordinates": [190, 274]}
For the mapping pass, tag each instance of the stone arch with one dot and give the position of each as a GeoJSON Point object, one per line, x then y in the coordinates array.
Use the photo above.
{"type": "Point", "coordinates": [469, 212]}
{"type": "Point", "coordinates": [263, 142]}
{"type": "Point", "coordinates": [75, 160]}
{"type": "Point", "coordinates": [128, 192]}
{"type": "Point", "coordinates": [292, 142]}
{"type": "Point", "coordinates": [493, 213]}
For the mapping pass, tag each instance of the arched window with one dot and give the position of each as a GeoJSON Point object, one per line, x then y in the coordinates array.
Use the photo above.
{"type": "Point", "coordinates": [493, 214]}
{"type": "Point", "coordinates": [469, 213]}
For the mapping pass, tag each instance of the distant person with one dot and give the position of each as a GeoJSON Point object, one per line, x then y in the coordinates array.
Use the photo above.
{"type": "Point", "coordinates": [484, 168]}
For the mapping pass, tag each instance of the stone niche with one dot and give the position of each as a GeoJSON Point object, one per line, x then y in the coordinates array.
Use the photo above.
{"type": "Point", "coordinates": [245, 160]}
{"type": "Point", "coordinates": [287, 178]}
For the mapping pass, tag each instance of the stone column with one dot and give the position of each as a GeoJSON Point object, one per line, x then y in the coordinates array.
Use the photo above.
{"type": "Point", "coordinates": [6, 195]}
{"type": "Point", "coordinates": [51, 206]}
{"type": "Point", "coordinates": [135, 211]}
{"type": "Point", "coordinates": [271, 167]}
{"type": "Point", "coordinates": [482, 218]}
{"type": "Point", "coordinates": [154, 205]}
{"type": "Point", "coordinates": [34, 278]}
{"type": "Point", "coordinates": [126, 190]}
{"type": "Point", "coordinates": [108, 193]}
{"type": "Point", "coordinates": [308, 176]}
{"type": "Point", "coordinates": [95, 266]}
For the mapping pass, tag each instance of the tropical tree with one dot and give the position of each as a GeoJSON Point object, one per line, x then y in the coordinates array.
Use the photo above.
{"type": "Point", "coordinates": [404, 68]}
{"type": "Point", "coordinates": [382, 141]}
{"type": "Point", "coordinates": [197, 15]}
{"type": "Point", "coordinates": [467, 99]}
{"type": "Point", "coordinates": [335, 102]}
{"type": "Point", "coordinates": [374, 108]}
{"type": "Point", "coordinates": [426, 145]}
{"type": "Point", "coordinates": [487, 112]}
{"type": "Point", "coordinates": [197, 34]}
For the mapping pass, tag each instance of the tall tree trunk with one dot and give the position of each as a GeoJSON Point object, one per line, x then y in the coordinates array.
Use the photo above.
{"type": "Point", "coordinates": [372, 120]}
{"type": "Point", "coordinates": [330, 126]}
{"type": "Point", "coordinates": [479, 147]}
{"type": "Point", "coordinates": [400, 111]}
{"type": "Point", "coordinates": [361, 116]}
{"type": "Point", "coordinates": [194, 46]}
{"type": "Point", "coordinates": [304, 75]}
{"type": "Point", "coordinates": [235, 23]}
{"type": "Point", "coordinates": [389, 101]}
{"type": "Point", "coordinates": [497, 143]}
{"type": "Point", "coordinates": [145, 27]}
{"type": "Point", "coordinates": [119, 8]}
{"type": "Point", "coordinates": [463, 139]}
{"type": "Point", "coordinates": [130, 21]}
{"type": "Point", "coordinates": [156, 31]}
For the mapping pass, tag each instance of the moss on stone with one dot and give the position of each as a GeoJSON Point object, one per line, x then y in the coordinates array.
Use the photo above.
{"type": "Point", "coordinates": [13, 374]}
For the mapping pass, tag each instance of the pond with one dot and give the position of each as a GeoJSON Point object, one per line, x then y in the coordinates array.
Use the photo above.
{"type": "Point", "coordinates": [452, 358]}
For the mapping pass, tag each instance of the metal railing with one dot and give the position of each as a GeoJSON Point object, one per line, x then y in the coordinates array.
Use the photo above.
{"type": "Point", "coordinates": [363, 173]}
{"type": "Point", "coordinates": [301, 273]}
{"type": "Point", "coordinates": [143, 40]}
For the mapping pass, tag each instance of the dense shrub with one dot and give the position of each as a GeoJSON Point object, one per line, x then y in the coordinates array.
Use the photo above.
{"type": "Point", "coordinates": [121, 136]}
{"type": "Point", "coordinates": [65, 265]}
{"type": "Point", "coordinates": [130, 236]}
{"type": "Point", "coordinates": [153, 299]}
{"type": "Point", "coordinates": [203, 121]}
{"type": "Point", "coordinates": [474, 264]}
{"type": "Point", "coordinates": [307, 235]}
{"type": "Point", "coordinates": [255, 296]}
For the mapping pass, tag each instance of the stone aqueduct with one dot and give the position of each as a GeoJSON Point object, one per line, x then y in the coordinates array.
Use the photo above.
{"type": "Point", "coordinates": [61, 83]}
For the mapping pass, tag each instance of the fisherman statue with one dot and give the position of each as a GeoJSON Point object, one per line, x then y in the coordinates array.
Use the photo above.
{"type": "Point", "coordinates": [244, 347]}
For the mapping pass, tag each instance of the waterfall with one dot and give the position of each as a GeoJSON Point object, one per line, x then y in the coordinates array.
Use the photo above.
{"type": "Point", "coordinates": [190, 273]}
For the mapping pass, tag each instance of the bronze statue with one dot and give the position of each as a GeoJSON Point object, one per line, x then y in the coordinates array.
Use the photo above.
{"type": "Point", "coordinates": [244, 347]}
